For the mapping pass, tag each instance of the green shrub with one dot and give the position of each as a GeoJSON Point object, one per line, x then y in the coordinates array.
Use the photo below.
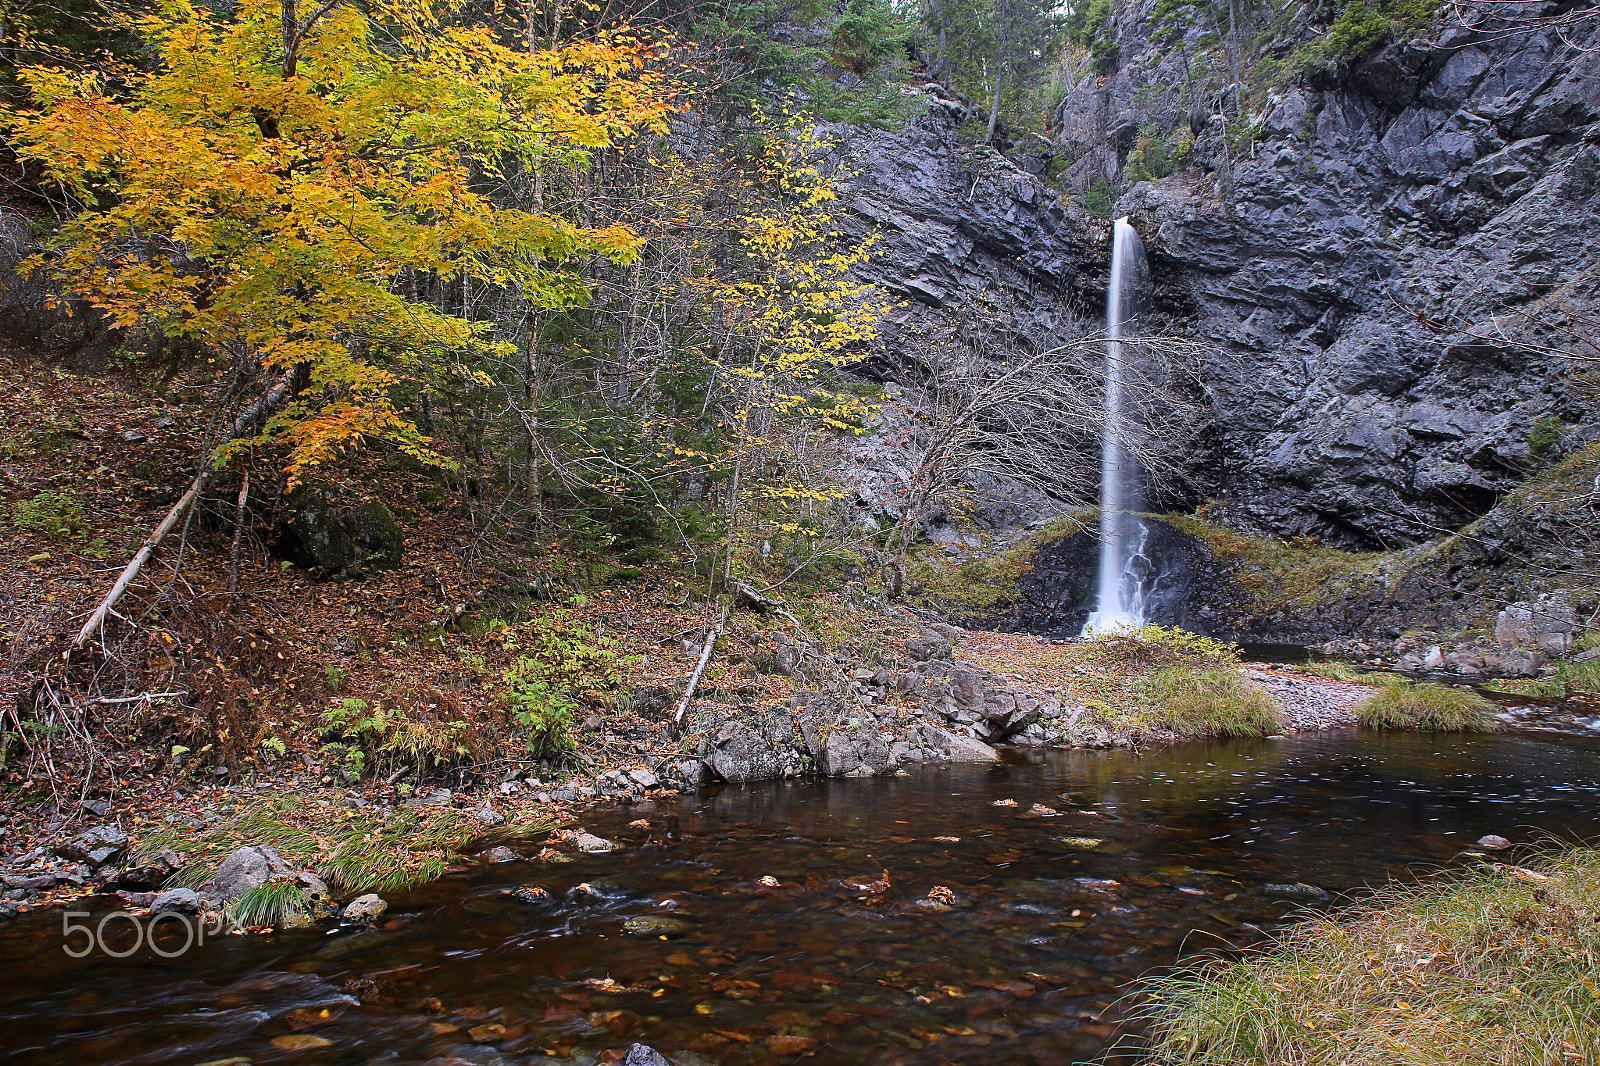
{"type": "Point", "coordinates": [1098, 201]}
{"type": "Point", "coordinates": [563, 664]}
{"type": "Point", "coordinates": [51, 512]}
{"type": "Point", "coordinates": [544, 713]}
{"type": "Point", "coordinates": [1157, 152]}
{"type": "Point", "coordinates": [1362, 28]}
{"type": "Point", "coordinates": [868, 33]}
{"type": "Point", "coordinates": [1214, 701]}
{"type": "Point", "coordinates": [1544, 439]}
{"type": "Point", "coordinates": [1411, 705]}
{"type": "Point", "coordinates": [360, 739]}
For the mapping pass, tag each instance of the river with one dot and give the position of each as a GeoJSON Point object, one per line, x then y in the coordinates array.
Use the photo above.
{"type": "Point", "coordinates": [793, 922]}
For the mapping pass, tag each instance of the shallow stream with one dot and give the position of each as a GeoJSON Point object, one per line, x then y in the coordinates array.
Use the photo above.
{"type": "Point", "coordinates": [757, 925]}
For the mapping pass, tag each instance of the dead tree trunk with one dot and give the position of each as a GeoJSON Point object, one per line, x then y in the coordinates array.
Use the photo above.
{"type": "Point", "coordinates": [265, 404]}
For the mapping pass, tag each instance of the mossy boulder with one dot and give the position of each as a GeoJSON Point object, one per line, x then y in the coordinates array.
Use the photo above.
{"type": "Point", "coordinates": [339, 539]}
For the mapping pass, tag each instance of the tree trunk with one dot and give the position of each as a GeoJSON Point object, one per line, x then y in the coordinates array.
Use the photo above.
{"type": "Point", "coordinates": [238, 537]}
{"type": "Point", "coordinates": [1002, 52]}
{"type": "Point", "coordinates": [287, 385]}
{"type": "Point", "coordinates": [994, 106]}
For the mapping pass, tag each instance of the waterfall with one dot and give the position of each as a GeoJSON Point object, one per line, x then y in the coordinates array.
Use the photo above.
{"type": "Point", "coordinates": [1125, 571]}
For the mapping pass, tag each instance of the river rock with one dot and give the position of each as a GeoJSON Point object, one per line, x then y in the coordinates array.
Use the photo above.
{"type": "Point", "coordinates": [584, 841]}
{"type": "Point", "coordinates": [97, 847]}
{"type": "Point", "coordinates": [364, 910]}
{"type": "Point", "coordinates": [760, 747]}
{"type": "Point", "coordinates": [248, 867]}
{"type": "Point", "coordinates": [929, 743]}
{"type": "Point", "coordinates": [1493, 842]}
{"type": "Point", "coordinates": [655, 925]}
{"type": "Point", "coordinates": [1547, 626]}
{"type": "Point", "coordinates": [640, 1055]}
{"type": "Point", "coordinates": [928, 646]}
{"type": "Point", "coordinates": [844, 743]}
{"type": "Point", "coordinates": [153, 872]}
{"type": "Point", "coordinates": [178, 901]}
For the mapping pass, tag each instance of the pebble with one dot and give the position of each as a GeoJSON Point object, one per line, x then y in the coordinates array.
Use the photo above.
{"type": "Point", "coordinates": [1493, 842]}
{"type": "Point", "coordinates": [1311, 702]}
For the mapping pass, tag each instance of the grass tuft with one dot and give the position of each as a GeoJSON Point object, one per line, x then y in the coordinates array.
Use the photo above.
{"type": "Point", "coordinates": [279, 904]}
{"type": "Point", "coordinates": [1492, 969]}
{"type": "Point", "coordinates": [1570, 679]}
{"type": "Point", "coordinates": [1333, 670]}
{"type": "Point", "coordinates": [1213, 701]}
{"type": "Point", "coordinates": [1411, 705]}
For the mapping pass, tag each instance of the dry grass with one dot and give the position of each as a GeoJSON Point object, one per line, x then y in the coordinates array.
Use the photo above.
{"type": "Point", "coordinates": [1212, 702]}
{"type": "Point", "coordinates": [1404, 704]}
{"type": "Point", "coordinates": [1494, 969]}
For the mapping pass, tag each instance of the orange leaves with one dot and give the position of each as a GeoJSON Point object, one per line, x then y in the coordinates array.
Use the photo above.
{"type": "Point", "coordinates": [267, 201]}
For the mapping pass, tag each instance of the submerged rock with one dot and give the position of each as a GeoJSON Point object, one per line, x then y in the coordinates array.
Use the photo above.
{"type": "Point", "coordinates": [655, 925]}
{"type": "Point", "coordinates": [641, 1055]}
{"type": "Point", "coordinates": [1302, 892]}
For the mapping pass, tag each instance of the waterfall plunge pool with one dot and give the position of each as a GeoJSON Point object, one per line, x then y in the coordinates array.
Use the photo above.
{"type": "Point", "coordinates": [758, 925]}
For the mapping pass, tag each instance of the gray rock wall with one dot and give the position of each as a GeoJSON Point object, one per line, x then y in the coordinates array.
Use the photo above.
{"type": "Point", "coordinates": [1388, 244]}
{"type": "Point", "coordinates": [1376, 277]}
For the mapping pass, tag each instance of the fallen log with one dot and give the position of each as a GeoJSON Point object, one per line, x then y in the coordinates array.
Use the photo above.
{"type": "Point", "coordinates": [264, 406]}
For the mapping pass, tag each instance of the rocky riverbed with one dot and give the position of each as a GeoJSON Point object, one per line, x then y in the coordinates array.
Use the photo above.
{"type": "Point", "coordinates": [956, 696]}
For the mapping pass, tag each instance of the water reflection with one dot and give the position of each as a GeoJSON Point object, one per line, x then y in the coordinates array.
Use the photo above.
{"type": "Point", "coordinates": [759, 925]}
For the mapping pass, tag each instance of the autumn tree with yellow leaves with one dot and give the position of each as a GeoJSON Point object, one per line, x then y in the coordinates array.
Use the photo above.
{"type": "Point", "coordinates": [276, 185]}
{"type": "Point", "coordinates": [264, 188]}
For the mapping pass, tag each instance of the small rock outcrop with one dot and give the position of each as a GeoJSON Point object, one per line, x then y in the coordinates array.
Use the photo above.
{"type": "Point", "coordinates": [341, 539]}
{"type": "Point", "coordinates": [941, 711]}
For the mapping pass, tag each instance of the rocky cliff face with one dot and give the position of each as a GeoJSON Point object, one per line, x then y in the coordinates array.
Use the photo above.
{"type": "Point", "coordinates": [1380, 274]}
{"type": "Point", "coordinates": [977, 249]}
{"type": "Point", "coordinates": [1379, 269]}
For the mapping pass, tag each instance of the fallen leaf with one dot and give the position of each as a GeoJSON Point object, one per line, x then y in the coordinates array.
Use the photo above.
{"type": "Point", "coordinates": [302, 1020]}
{"type": "Point", "coordinates": [300, 1042]}
{"type": "Point", "coordinates": [789, 1045]}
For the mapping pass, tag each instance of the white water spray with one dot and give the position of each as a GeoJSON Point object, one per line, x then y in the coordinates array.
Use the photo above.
{"type": "Point", "coordinates": [1125, 571]}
